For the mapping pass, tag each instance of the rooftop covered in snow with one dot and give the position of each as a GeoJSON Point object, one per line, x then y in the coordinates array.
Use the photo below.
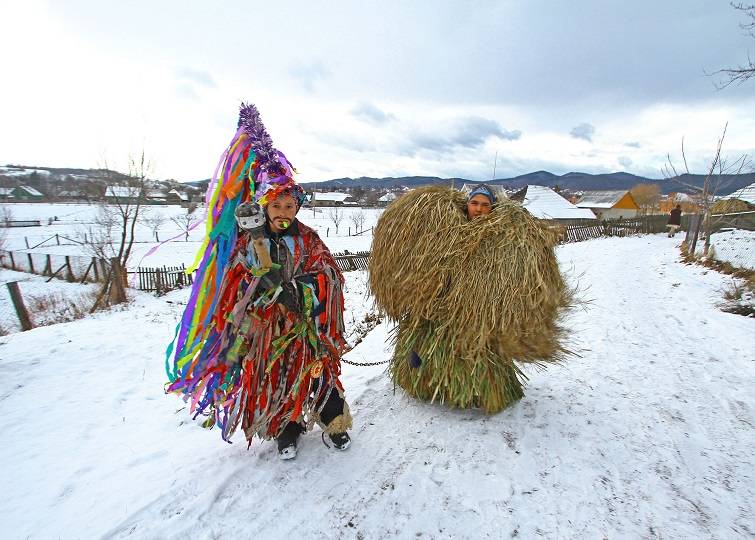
{"type": "Point", "coordinates": [600, 199]}
{"type": "Point", "coordinates": [544, 203]}
{"type": "Point", "coordinates": [746, 194]}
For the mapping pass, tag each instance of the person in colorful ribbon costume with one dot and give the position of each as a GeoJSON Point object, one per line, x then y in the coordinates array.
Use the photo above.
{"type": "Point", "coordinates": [260, 341]}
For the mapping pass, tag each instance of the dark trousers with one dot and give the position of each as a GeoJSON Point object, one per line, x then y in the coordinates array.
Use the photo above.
{"type": "Point", "coordinates": [332, 409]}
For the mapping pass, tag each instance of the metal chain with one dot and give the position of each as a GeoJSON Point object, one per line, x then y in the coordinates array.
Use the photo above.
{"type": "Point", "coordinates": [365, 363]}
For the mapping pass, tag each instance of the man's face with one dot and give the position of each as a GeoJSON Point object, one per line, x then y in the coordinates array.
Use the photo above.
{"type": "Point", "coordinates": [479, 205]}
{"type": "Point", "coordinates": [281, 212]}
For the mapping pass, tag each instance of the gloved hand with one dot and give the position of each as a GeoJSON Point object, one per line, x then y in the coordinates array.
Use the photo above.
{"type": "Point", "coordinates": [289, 297]}
{"type": "Point", "coordinates": [414, 360]}
{"type": "Point", "coordinates": [272, 279]}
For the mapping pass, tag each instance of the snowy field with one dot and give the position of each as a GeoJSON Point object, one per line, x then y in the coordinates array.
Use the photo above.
{"type": "Point", "coordinates": [76, 220]}
{"type": "Point", "coordinates": [46, 302]}
{"type": "Point", "coordinates": [649, 434]}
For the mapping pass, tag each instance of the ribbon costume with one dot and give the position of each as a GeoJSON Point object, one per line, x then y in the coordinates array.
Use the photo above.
{"type": "Point", "coordinates": [259, 344]}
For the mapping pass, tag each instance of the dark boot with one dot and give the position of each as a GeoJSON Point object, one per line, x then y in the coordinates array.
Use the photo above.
{"type": "Point", "coordinates": [287, 440]}
{"type": "Point", "coordinates": [341, 441]}
{"type": "Point", "coordinates": [337, 419]}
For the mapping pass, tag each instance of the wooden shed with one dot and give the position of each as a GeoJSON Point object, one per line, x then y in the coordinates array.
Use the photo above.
{"type": "Point", "coordinates": [609, 204]}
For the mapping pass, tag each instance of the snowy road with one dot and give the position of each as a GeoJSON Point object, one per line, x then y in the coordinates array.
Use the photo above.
{"type": "Point", "coordinates": [649, 434]}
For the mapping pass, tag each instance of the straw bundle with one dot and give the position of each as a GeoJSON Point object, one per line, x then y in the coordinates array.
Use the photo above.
{"type": "Point", "coordinates": [470, 297]}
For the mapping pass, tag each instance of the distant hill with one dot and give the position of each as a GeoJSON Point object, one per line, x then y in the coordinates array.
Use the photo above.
{"type": "Point", "coordinates": [573, 181]}
{"type": "Point", "coordinates": [46, 178]}
{"type": "Point", "coordinates": [86, 183]}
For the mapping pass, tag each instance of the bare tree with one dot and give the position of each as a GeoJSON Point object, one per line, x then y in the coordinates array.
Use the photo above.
{"type": "Point", "coordinates": [647, 197]}
{"type": "Point", "coordinates": [115, 224]}
{"type": "Point", "coordinates": [6, 216]}
{"type": "Point", "coordinates": [154, 219]}
{"type": "Point", "coordinates": [186, 221]}
{"type": "Point", "coordinates": [336, 216]}
{"type": "Point", "coordinates": [746, 71]}
{"type": "Point", "coordinates": [357, 218]}
{"type": "Point", "coordinates": [718, 167]}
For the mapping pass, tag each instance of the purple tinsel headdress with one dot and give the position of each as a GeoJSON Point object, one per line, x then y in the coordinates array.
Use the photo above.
{"type": "Point", "coordinates": [262, 144]}
{"type": "Point", "coordinates": [274, 172]}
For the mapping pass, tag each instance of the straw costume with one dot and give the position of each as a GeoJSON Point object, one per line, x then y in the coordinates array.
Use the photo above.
{"type": "Point", "coordinates": [472, 298]}
{"type": "Point", "coordinates": [259, 345]}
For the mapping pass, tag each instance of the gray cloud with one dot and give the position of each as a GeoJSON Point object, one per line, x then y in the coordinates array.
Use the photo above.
{"type": "Point", "coordinates": [633, 144]}
{"type": "Point", "coordinates": [196, 77]}
{"type": "Point", "coordinates": [469, 132]}
{"type": "Point", "coordinates": [371, 114]}
{"type": "Point", "coordinates": [625, 162]}
{"type": "Point", "coordinates": [474, 130]}
{"type": "Point", "coordinates": [583, 131]}
{"type": "Point", "coordinates": [309, 75]}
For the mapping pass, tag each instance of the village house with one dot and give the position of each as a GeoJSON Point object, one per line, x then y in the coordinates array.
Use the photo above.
{"type": "Point", "coordinates": [73, 195]}
{"type": "Point", "coordinates": [330, 199]}
{"type": "Point", "coordinates": [687, 203]}
{"type": "Point", "coordinates": [544, 203]}
{"type": "Point", "coordinates": [157, 196]}
{"type": "Point", "coordinates": [609, 204]}
{"type": "Point", "coordinates": [387, 199]}
{"type": "Point", "coordinates": [26, 193]}
{"type": "Point", "coordinates": [122, 194]}
{"type": "Point", "coordinates": [177, 197]}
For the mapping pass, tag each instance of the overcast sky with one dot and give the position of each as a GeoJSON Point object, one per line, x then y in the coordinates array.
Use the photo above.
{"type": "Point", "coordinates": [375, 88]}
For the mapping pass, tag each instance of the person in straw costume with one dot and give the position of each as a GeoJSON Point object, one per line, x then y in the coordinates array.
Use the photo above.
{"type": "Point", "coordinates": [260, 342]}
{"type": "Point", "coordinates": [475, 289]}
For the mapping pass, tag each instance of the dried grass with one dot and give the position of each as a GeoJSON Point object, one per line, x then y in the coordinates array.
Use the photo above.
{"type": "Point", "coordinates": [471, 297]}
{"type": "Point", "coordinates": [57, 307]}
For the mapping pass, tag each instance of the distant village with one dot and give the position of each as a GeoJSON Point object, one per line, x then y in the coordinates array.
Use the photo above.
{"type": "Point", "coordinates": [18, 184]}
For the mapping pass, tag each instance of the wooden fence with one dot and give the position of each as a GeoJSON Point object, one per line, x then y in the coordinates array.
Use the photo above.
{"type": "Point", "coordinates": [21, 223]}
{"type": "Point", "coordinates": [579, 230]}
{"type": "Point", "coordinates": [68, 267]}
{"type": "Point", "coordinates": [162, 280]}
{"type": "Point", "coordinates": [352, 261]}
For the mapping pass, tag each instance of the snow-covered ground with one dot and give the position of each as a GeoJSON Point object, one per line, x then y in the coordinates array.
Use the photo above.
{"type": "Point", "coordinates": [76, 220]}
{"type": "Point", "coordinates": [736, 246]}
{"type": "Point", "coordinates": [649, 434]}
{"type": "Point", "coordinates": [46, 302]}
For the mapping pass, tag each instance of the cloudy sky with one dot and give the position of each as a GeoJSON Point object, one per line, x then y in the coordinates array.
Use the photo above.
{"type": "Point", "coordinates": [375, 88]}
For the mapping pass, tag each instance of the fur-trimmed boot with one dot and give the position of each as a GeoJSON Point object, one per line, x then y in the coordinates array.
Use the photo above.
{"type": "Point", "coordinates": [335, 418]}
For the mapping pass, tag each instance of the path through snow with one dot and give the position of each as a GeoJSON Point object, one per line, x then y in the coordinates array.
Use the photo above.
{"type": "Point", "coordinates": [648, 435]}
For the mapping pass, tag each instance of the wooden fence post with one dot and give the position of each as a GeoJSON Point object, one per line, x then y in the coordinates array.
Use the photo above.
{"type": "Point", "coordinates": [27, 242]}
{"type": "Point", "coordinates": [31, 264]}
{"type": "Point", "coordinates": [69, 270]}
{"type": "Point", "coordinates": [94, 267]}
{"type": "Point", "coordinates": [18, 303]}
{"type": "Point", "coordinates": [12, 261]}
{"type": "Point", "coordinates": [83, 279]}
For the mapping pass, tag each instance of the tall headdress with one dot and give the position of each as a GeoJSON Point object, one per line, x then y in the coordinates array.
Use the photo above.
{"type": "Point", "coordinates": [250, 170]}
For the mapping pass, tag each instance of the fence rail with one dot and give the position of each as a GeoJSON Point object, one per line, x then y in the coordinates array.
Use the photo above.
{"type": "Point", "coordinates": [21, 223]}
{"type": "Point", "coordinates": [352, 261]}
{"type": "Point", "coordinates": [68, 267]}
